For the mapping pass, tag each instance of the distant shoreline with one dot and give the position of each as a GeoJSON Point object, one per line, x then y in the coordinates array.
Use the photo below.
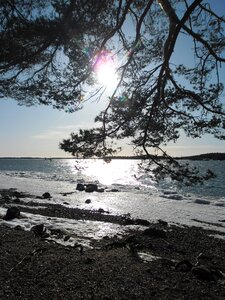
{"type": "Point", "coordinates": [205, 156]}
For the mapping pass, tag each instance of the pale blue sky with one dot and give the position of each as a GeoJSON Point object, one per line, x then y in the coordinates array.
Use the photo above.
{"type": "Point", "coordinates": [37, 131]}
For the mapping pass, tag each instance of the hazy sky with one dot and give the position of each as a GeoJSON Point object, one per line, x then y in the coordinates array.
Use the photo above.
{"type": "Point", "coordinates": [37, 131]}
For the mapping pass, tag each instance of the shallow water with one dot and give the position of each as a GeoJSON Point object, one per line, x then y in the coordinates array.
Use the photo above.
{"type": "Point", "coordinates": [139, 194]}
{"type": "Point", "coordinates": [125, 173]}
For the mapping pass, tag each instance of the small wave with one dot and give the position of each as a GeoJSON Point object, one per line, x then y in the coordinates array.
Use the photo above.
{"type": "Point", "coordinates": [41, 176]}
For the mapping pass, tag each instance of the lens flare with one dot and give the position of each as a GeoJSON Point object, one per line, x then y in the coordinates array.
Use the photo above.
{"type": "Point", "coordinates": [105, 68]}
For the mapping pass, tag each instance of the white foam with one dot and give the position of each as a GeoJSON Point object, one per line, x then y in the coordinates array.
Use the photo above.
{"type": "Point", "coordinates": [149, 204]}
{"type": "Point", "coordinates": [147, 257]}
{"type": "Point", "coordinates": [27, 206]}
{"type": "Point", "coordinates": [218, 236]}
{"type": "Point", "coordinates": [80, 231]}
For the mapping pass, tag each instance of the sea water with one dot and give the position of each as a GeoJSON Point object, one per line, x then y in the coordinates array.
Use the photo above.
{"type": "Point", "coordinates": [138, 193]}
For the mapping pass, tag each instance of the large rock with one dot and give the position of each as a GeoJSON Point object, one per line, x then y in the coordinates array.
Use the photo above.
{"type": "Point", "coordinates": [129, 221]}
{"type": "Point", "coordinates": [6, 199]}
{"type": "Point", "coordinates": [80, 187]}
{"type": "Point", "coordinates": [141, 222]}
{"type": "Point", "coordinates": [46, 195]}
{"type": "Point", "coordinates": [154, 232]}
{"type": "Point", "coordinates": [57, 232]}
{"type": "Point", "coordinates": [184, 266]}
{"type": "Point", "coordinates": [204, 273]}
{"type": "Point", "coordinates": [90, 188]}
{"type": "Point", "coordinates": [114, 190]}
{"type": "Point", "coordinates": [17, 200]}
{"type": "Point", "coordinates": [12, 213]}
{"type": "Point", "coordinates": [162, 222]}
{"type": "Point", "coordinates": [39, 230]}
{"type": "Point", "coordinates": [18, 194]}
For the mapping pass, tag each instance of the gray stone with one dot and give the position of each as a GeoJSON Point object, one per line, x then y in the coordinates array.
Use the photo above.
{"type": "Point", "coordinates": [90, 188]}
{"type": "Point", "coordinates": [162, 222]}
{"type": "Point", "coordinates": [141, 222]}
{"type": "Point", "coordinates": [39, 230]}
{"type": "Point", "coordinates": [154, 232]}
{"type": "Point", "coordinates": [114, 190]}
{"type": "Point", "coordinates": [183, 266]}
{"type": "Point", "coordinates": [203, 273]}
{"type": "Point", "coordinates": [46, 195]}
{"type": "Point", "coordinates": [80, 187]}
{"type": "Point", "coordinates": [12, 213]}
{"type": "Point", "coordinates": [17, 200]}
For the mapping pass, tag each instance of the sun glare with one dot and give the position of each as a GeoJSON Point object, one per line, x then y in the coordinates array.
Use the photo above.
{"type": "Point", "coordinates": [105, 69]}
{"type": "Point", "coordinates": [105, 74]}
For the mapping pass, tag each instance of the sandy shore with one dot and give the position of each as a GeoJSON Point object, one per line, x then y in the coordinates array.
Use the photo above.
{"type": "Point", "coordinates": [187, 263]}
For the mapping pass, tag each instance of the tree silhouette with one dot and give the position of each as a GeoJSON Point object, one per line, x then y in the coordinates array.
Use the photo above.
{"type": "Point", "coordinates": [50, 50]}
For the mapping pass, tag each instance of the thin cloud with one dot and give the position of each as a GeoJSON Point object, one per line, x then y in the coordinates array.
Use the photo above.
{"type": "Point", "coordinates": [59, 132]}
{"type": "Point", "coordinates": [48, 135]}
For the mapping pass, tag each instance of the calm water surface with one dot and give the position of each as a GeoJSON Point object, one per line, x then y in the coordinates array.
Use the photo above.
{"type": "Point", "coordinates": [125, 173]}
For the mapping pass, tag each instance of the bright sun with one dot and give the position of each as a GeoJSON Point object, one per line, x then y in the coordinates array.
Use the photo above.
{"type": "Point", "coordinates": [105, 69]}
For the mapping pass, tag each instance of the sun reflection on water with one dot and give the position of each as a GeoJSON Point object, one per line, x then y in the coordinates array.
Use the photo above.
{"type": "Point", "coordinates": [112, 173]}
{"type": "Point", "coordinates": [115, 172]}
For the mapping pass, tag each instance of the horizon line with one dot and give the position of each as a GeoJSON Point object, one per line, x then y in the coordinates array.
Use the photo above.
{"type": "Point", "coordinates": [119, 156]}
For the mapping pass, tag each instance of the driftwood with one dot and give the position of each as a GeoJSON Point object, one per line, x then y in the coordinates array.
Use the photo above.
{"type": "Point", "coordinates": [28, 256]}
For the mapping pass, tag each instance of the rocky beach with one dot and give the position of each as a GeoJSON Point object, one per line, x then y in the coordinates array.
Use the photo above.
{"type": "Point", "coordinates": [144, 261]}
{"type": "Point", "coordinates": [112, 154]}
